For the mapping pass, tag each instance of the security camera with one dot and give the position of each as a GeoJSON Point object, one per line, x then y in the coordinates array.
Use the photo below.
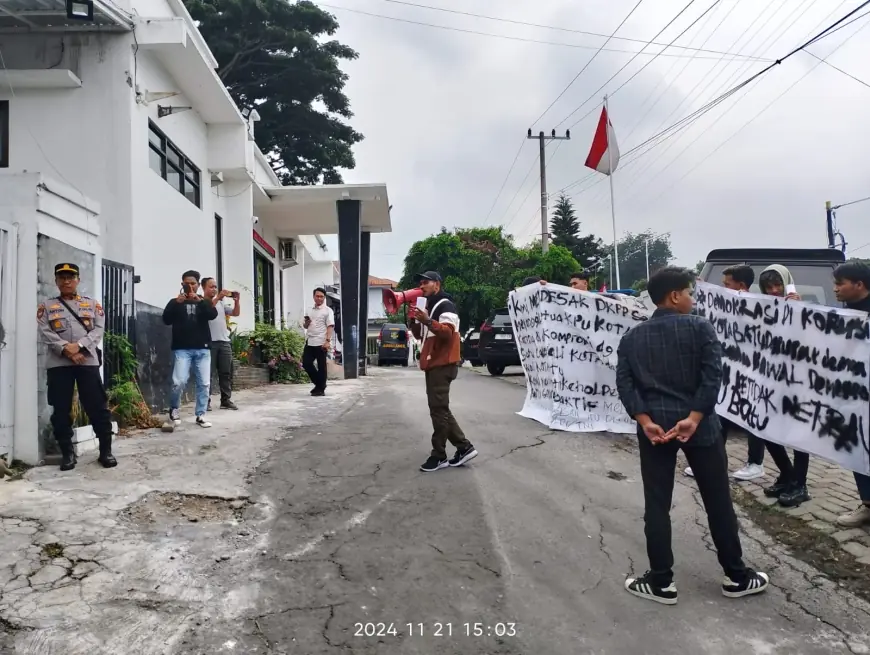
{"type": "Point", "coordinates": [255, 220]}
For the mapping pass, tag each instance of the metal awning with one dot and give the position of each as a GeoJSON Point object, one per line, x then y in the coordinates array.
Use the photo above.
{"type": "Point", "coordinates": [50, 16]}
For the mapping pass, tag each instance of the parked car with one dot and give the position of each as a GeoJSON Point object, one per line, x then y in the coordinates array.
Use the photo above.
{"type": "Point", "coordinates": [393, 344]}
{"type": "Point", "coordinates": [497, 347]}
{"type": "Point", "coordinates": [812, 268]}
{"type": "Point", "coordinates": [470, 342]}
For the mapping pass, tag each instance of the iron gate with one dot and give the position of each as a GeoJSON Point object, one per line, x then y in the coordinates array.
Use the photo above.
{"type": "Point", "coordinates": [119, 308]}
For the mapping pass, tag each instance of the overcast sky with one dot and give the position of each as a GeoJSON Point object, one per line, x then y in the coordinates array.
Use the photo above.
{"type": "Point", "coordinates": [445, 112]}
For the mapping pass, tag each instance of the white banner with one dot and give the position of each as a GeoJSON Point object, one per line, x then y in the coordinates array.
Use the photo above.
{"type": "Point", "coordinates": [567, 341]}
{"type": "Point", "coordinates": [794, 373]}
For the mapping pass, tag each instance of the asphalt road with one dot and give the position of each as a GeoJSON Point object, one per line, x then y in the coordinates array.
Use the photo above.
{"type": "Point", "coordinates": [525, 550]}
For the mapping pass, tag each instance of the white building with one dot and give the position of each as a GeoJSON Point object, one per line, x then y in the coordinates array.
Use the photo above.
{"type": "Point", "coordinates": [121, 150]}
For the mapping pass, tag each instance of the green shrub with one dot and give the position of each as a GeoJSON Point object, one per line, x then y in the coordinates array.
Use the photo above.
{"type": "Point", "coordinates": [281, 351]}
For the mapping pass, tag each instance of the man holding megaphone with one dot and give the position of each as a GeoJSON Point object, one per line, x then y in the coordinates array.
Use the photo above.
{"type": "Point", "coordinates": [438, 327]}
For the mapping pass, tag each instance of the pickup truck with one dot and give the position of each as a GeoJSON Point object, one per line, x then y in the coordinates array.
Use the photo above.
{"type": "Point", "coordinates": [811, 268]}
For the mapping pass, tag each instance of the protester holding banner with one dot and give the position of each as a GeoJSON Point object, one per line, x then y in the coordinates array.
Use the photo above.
{"type": "Point", "coordinates": [437, 327]}
{"type": "Point", "coordinates": [669, 372]}
{"type": "Point", "coordinates": [790, 488]}
{"type": "Point", "coordinates": [740, 278]}
{"type": "Point", "coordinates": [580, 281]}
{"type": "Point", "coordinates": [852, 287]}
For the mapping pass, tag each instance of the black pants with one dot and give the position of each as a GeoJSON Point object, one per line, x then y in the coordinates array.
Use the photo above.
{"type": "Point", "coordinates": [222, 364]}
{"type": "Point", "coordinates": [789, 473]}
{"type": "Point", "coordinates": [310, 355]}
{"type": "Point", "coordinates": [710, 466]}
{"type": "Point", "coordinates": [755, 445]}
{"type": "Point", "coordinates": [444, 425]}
{"type": "Point", "coordinates": [62, 381]}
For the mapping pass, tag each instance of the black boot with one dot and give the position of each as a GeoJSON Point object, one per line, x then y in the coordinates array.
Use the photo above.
{"type": "Point", "coordinates": [67, 456]}
{"type": "Point", "coordinates": [106, 458]}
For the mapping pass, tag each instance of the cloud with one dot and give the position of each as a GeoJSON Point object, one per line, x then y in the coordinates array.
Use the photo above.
{"type": "Point", "coordinates": [444, 114]}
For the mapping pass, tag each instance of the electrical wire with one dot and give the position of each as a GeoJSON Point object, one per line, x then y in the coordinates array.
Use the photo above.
{"type": "Point", "coordinates": [684, 122]}
{"type": "Point", "coordinates": [853, 202]}
{"type": "Point", "coordinates": [829, 64]}
{"type": "Point", "coordinates": [762, 47]}
{"type": "Point", "coordinates": [588, 63]}
{"type": "Point", "coordinates": [768, 106]}
{"type": "Point", "coordinates": [628, 63]}
{"type": "Point", "coordinates": [551, 27]}
{"type": "Point", "coordinates": [506, 177]}
{"type": "Point", "coordinates": [515, 38]}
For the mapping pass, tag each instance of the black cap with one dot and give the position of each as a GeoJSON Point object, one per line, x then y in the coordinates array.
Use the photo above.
{"type": "Point", "coordinates": [66, 268]}
{"type": "Point", "coordinates": [428, 275]}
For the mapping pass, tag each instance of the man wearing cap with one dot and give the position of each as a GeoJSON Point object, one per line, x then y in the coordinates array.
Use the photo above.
{"type": "Point", "coordinates": [437, 327]}
{"type": "Point", "coordinates": [72, 326]}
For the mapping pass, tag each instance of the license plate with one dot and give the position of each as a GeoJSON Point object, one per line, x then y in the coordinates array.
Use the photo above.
{"type": "Point", "coordinates": [504, 337]}
{"type": "Point", "coordinates": [475, 335]}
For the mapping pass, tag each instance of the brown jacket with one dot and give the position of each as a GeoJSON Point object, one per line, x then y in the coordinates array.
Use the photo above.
{"type": "Point", "coordinates": [441, 340]}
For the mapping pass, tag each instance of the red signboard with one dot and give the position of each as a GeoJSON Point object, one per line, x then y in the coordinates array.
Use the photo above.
{"type": "Point", "coordinates": [260, 241]}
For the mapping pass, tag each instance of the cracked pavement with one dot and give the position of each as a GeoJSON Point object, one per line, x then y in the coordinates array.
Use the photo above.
{"type": "Point", "coordinates": [330, 532]}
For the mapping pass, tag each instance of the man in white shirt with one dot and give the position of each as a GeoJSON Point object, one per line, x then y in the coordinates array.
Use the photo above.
{"type": "Point", "coordinates": [221, 348]}
{"type": "Point", "coordinates": [319, 325]}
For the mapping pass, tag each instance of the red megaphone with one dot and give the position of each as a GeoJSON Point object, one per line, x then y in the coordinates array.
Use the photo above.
{"type": "Point", "coordinates": [395, 299]}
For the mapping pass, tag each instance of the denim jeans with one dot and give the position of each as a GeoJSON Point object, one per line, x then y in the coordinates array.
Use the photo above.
{"type": "Point", "coordinates": [863, 482]}
{"type": "Point", "coordinates": [200, 361]}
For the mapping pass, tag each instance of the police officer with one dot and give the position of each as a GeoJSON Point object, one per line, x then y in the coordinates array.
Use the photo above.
{"type": "Point", "coordinates": [73, 326]}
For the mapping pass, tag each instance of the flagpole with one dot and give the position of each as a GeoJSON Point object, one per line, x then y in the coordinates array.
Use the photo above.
{"type": "Point", "coordinates": [612, 208]}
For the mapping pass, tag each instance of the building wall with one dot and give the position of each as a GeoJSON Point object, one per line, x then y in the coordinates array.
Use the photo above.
{"type": "Point", "coordinates": [80, 137]}
{"type": "Point", "coordinates": [376, 303]}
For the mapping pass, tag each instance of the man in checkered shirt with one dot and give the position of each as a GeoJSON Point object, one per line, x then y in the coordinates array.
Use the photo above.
{"type": "Point", "coordinates": [669, 373]}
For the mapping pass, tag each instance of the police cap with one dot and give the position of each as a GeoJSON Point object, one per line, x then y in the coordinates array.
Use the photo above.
{"type": "Point", "coordinates": [66, 268]}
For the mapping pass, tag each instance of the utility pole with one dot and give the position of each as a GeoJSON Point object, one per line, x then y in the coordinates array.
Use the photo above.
{"type": "Point", "coordinates": [545, 219]}
{"type": "Point", "coordinates": [829, 220]}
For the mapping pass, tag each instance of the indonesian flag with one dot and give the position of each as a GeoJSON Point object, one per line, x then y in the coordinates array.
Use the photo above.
{"type": "Point", "coordinates": [603, 289]}
{"type": "Point", "coordinates": [599, 158]}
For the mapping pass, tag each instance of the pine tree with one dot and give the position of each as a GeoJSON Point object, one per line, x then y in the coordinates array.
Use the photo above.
{"type": "Point", "coordinates": [564, 225]}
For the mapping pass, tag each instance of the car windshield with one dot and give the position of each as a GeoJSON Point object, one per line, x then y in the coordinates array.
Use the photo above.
{"type": "Point", "coordinates": [814, 283]}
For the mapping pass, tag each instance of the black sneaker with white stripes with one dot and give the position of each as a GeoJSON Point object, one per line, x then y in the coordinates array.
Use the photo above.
{"type": "Point", "coordinates": [433, 464]}
{"type": "Point", "coordinates": [756, 582]}
{"type": "Point", "coordinates": [463, 456]}
{"type": "Point", "coordinates": [643, 587]}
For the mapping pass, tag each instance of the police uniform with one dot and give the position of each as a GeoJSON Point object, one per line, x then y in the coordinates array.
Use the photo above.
{"type": "Point", "coordinates": [77, 320]}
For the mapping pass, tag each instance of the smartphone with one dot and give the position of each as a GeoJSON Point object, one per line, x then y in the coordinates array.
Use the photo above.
{"type": "Point", "coordinates": [790, 288]}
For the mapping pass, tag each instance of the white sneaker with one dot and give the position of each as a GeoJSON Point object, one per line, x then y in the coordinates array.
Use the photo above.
{"type": "Point", "coordinates": [688, 471]}
{"type": "Point", "coordinates": [750, 472]}
{"type": "Point", "coordinates": [201, 422]}
{"type": "Point", "coordinates": [856, 518]}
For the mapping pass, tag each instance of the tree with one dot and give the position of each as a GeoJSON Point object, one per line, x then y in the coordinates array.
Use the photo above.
{"type": "Point", "coordinates": [564, 225]}
{"type": "Point", "coordinates": [565, 230]}
{"type": "Point", "coordinates": [699, 267]}
{"type": "Point", "coordinates": [481, 265]}
{"type": "Point", "coordinates": [272, 56]}
{"type": "Point", "coordinates": [632, 256]}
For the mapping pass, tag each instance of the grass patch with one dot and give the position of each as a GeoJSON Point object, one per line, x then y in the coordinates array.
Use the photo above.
{"type": "Point", "coordinates": [807, 544]}
{"type": "Point", "coordinates": [52, 551]}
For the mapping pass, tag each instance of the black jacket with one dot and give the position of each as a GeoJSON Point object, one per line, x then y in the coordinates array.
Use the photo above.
{"type": "Point", "coordinates": [189, 321]}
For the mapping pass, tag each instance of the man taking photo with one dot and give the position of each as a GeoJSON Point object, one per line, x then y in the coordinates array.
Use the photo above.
{"type": "Point", "coordinates": [189, 315]}
{"type": "Point", "coordinates": [438, 328]}
{"type": "Point", "coordinates": [221, 348]}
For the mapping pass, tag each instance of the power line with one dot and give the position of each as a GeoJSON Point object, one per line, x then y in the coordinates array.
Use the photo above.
{"type": "Point", "coordinates": [827, 63]}
{"type": "Point", "coordinates": [588, 63]}
{"type": "Point", "coordinates": [768, 106]}
{"type": "Point", "coordinates": [595, 93]}
{"type": "Point", "coordinates": [552, 27]}
{"type": "Point", "coordinates": [854, 202]}
{"type": "Point", "coordinates": [506, 177]}
{"type": "Point", "coordinates": [684, 122]}
{"type": "Point", "coordinates": [518, 38]}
